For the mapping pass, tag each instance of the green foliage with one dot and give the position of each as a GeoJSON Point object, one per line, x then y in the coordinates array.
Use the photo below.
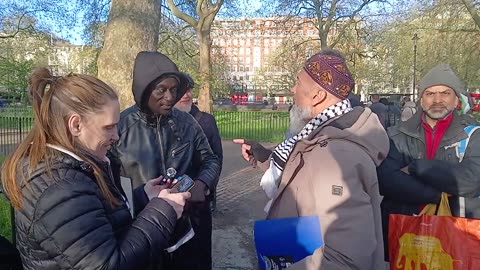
{"type": "Point", "coordinates": [447, 34]}
{"type": "Point", "coordinates": [13, 82]}
{"type": "Point", "coordinates": [5, 225]}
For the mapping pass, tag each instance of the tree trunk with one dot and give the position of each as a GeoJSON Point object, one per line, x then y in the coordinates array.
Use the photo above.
{"type": "Point", "coordinates": [204, 95]}
{"type": "Point", "coordinates": [133, 26]}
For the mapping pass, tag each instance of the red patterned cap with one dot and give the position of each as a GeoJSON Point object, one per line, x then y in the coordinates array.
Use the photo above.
{"type": "Point", "coordinates": [331, 73]}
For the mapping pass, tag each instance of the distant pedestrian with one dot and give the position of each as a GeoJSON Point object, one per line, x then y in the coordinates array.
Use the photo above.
{"type": "Point", "coordinates": [380, 109]}
{"type": "Point", "coordinates": [408, 110]}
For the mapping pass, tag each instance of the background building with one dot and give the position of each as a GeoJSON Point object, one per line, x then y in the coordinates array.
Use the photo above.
{"type": "Point", "coordinates": [246, 44]}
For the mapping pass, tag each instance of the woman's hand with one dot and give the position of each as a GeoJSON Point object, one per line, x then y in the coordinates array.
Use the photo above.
{"type": "Point", "coordinates": [176, 200]}
{"type": "Point", "coordinates": [152, 188]}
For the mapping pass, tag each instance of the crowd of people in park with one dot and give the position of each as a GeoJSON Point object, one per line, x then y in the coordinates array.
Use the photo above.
{"type": "Point", "coordinates": [94, 187]}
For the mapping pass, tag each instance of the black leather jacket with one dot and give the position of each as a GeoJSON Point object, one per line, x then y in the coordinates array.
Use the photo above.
{"type": "Point", "coordinates": [66, 223]}
{"type": "Point", "coordinates": [149, 145]}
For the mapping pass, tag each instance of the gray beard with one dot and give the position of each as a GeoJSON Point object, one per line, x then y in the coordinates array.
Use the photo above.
{"type": "Point", "coordinates": [299, 117]}
{"type": "Point", "coordinates": [184, 107]}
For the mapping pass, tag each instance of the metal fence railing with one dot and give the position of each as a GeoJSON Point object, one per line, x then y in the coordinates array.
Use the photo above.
{"type": "Point", "coordinates": [12, 131]}
{"type": "Point", "coordinates": [253, 125]}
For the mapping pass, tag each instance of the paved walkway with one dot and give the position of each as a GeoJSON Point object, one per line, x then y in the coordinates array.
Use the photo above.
{"type": "Point", "coordinates": [240, 202]}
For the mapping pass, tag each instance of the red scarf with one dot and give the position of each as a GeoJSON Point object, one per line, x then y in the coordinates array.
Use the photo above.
{"type": "Point", "coordinates": [434, 136]}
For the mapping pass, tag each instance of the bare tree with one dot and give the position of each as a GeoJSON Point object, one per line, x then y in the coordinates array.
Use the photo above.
{"type": "Point", "coordinates": [331, 18]}
{"type": "Point", "coordinates": [133, 26]}
{"type": "Point", "coordinates": [18, 17]}
{"type": "Point", "coordinates": [205, 12]}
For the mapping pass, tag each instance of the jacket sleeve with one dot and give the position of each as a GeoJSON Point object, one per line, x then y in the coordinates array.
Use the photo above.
{"type": "Point", "coordinates": [72, 226]}
{"type": "Point", "coordinates": [347, 220]}
{"type": "Point", "coordinates": [399, 186]}
{"type": "Point", "coordinates": [459, 179]}
{"type": "Point", "coordinates": [210, 165]}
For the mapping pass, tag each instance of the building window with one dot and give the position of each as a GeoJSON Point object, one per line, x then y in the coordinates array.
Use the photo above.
{"type": "Point", "coordinates": [240, 68]}
{"type": "Point", "coordinates": [247, 68]}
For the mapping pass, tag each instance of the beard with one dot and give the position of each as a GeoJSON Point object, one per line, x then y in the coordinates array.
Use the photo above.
{"type": "Point", "coordinates": [437, 112]}
{"type": "Point", "coordinates": [299, 117]}
{"type": "Point", "coordinates": [184, 107]}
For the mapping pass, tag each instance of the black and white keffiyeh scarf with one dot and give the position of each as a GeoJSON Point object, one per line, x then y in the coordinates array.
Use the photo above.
{"type": "Point", "coordinates": [271, 179]}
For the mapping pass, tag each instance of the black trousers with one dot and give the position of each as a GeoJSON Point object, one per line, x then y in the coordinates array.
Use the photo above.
{"type": "Point", "coordinates": [196, 254]}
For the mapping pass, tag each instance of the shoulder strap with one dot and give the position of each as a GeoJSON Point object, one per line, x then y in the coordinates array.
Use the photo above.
{"type": "Point", "coordinates": [462, 145]}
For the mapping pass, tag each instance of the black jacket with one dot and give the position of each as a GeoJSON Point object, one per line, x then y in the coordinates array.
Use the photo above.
{"type": "Point", "coordinates": [66, 223]}
{"type": "Point", "coordinates": [148, 145]}
{"type": "Point", "coordinates": [209, 126]}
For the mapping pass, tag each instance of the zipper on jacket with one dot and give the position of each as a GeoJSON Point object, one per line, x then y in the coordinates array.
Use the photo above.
{"type": "Point", "coordinates": [162, 157]}
{"type": "Point", "coordinates": [179, 149]}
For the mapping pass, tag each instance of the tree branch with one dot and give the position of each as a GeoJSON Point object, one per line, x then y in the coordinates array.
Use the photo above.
{"type": "Point", "coordinates": [473, 11]}
{"type": "Point", "coordinates": [181, 15]}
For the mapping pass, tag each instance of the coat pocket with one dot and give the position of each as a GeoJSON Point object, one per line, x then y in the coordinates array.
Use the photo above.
{"type": "Point", "coordinates": [177, 151]}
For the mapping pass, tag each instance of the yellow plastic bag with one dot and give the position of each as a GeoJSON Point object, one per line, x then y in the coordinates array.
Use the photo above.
{"type": "Point", "coordinates": [443, 208]}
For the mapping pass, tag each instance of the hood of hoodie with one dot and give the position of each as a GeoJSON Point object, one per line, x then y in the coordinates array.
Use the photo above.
{"type": "Point", "coordinates": [360, 126]}
{"type": "Point", "coordinates": [150, 66]}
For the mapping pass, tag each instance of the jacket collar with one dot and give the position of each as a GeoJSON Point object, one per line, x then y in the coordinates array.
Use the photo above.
{"type": "Point", "coordinates": [194, 110]}
{"type": "Point", "coordinates": [454, 133]}
{"type": "Point", "coordinates": [65, 151]}
{"type": "Point", "coordinates": [152, 120]}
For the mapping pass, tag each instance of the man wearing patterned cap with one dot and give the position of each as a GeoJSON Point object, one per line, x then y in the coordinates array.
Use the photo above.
{"type": "Point", "coordinates": [328, 169]}
{"type": "Point", "coordinates": [425, 158]}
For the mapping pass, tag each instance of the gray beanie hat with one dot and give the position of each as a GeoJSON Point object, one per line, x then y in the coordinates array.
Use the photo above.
{"type": "Point", "coordinates": [442, 74]}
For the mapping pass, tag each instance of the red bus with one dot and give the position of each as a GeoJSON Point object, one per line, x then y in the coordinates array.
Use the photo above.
{"type": "Point", "coordinates": [240, 99]}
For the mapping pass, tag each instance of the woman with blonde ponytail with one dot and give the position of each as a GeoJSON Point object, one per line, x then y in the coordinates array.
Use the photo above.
{"type": "Point", "coordinates": [70, 211]}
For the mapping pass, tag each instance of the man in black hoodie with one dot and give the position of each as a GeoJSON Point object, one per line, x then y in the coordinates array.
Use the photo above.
{"type": "Point", "coordinates": [155, 137]}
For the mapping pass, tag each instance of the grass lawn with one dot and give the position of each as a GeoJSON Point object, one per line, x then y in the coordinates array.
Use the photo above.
{"type": "Point", "coordinates": [258, 126]}
{"type": "Point", "coordinates": [5, 229]}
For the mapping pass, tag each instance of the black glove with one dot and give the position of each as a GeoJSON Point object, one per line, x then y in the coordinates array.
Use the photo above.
{"type": "Point", "coordinates": [258, 152]}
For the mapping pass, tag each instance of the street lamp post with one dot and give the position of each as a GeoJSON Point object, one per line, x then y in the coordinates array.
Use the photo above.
{"type": "Point", "coordinates": [415, 39]}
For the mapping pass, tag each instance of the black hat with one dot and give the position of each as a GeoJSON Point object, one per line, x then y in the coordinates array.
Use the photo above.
{"type": "Point", "coordinates": [148, 68]}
